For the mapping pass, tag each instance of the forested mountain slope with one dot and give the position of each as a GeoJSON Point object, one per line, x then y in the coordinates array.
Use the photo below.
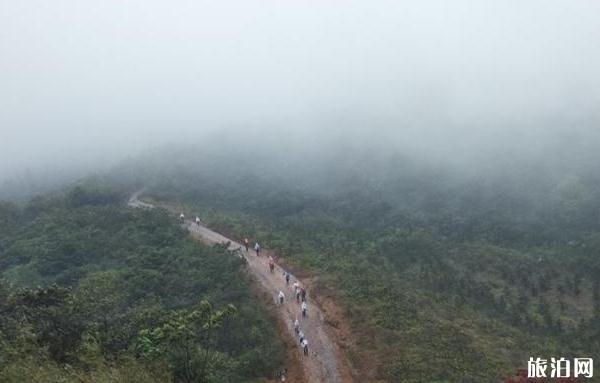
{"type": "Point", "coordinates": [92, 291]}
{"type": "Point", "coordinates": [446, 278]}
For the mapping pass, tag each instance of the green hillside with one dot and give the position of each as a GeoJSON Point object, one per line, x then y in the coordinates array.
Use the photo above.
{"type": "Point", "coordinates": [92, 291]}
{"type": "Point", "coordinates": [444, 278]}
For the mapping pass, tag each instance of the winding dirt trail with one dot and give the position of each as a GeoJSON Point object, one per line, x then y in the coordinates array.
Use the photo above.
{"type": "Point", "coordinates": [325, 362]}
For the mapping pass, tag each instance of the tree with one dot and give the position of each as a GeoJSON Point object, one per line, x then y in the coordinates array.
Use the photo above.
{"type": "Point", "coordinates": [49, 312]}
{"type": "Point", "coordinates": [101, 299]}
{"type": "Point", "coordinates": [187, 339]}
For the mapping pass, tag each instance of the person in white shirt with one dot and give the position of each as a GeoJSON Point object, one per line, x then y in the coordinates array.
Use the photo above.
{"type": "Point", "coordinates": [296, 326]}
{"type": "Point", "coordinates": [305, 347]}
{"type": "Point", "coordinates": [197, 220]}
{"type": "Point", "coordinates": [281, 297]}
{"type": "Point", "coordinates": [304, 309]}
{"type": "Point", "coordinates": [257, 249]}
{"type": "Point", "coordinates": [182, 217]}
{"type": "Point", "coordinates": [301, 336]}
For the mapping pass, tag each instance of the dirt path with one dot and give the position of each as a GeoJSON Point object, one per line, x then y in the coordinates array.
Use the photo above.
{"type": "Point", "coordinates": [325, 362]}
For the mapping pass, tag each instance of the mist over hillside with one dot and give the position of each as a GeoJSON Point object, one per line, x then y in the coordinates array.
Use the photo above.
{"type": "Point", "coordinates": [87, 87]}
{"type": "Point", "coordinates": [433, 257]}
{"type": "Point", "coordinates": [429, 170]}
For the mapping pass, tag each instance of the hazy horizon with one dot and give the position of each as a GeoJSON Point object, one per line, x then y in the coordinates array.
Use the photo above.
{"type": "Point", "coordinates": [84, 87]}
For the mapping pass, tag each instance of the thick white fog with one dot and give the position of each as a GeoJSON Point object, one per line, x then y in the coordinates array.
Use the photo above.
{"type": "Point", "coordinates": [85, 84]}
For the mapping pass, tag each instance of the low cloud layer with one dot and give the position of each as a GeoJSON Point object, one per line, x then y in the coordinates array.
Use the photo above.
{"type": "Point", "coordinates": [84, 85]}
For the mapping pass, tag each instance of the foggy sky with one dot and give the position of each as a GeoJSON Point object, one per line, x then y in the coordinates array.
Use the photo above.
{"type": "Point", "coordinates": [85, 84]}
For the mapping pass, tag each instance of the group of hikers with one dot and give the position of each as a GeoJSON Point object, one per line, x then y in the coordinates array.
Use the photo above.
{"type": "Point", "coordinates": [299, 292]}
{"type": "Point", "coordinates": [300, 295]}
{"type": "Point", "coordinates": [256, 246]}
{"type": "Point", "coordinates": [182, 219]}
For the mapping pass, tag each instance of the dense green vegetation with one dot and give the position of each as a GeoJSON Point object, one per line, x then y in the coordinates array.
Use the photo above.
{"type": "Point", "coordinates": [92, 291]}
{"type": "Point", "coordinates": [445, 278]}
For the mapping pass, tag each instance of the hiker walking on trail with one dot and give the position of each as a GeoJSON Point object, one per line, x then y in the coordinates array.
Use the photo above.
{"type": "Point", "coordinates": [303, 294]}
{"type": "Point", "coordinates": [281, 297]}
{"type": "Point", "coordinates": [305, 347]}
{"type": "Point", "coordinates": [197, 220]}
{"type": "Point", "coordinates": [304, 309]}
{"type": "Point", "coordinates": [283, 374]}
{"type": "Point", "coordinates": [287, 277]}
{"type": "Point", "coordinates": [246, 244]}
{"type": "Point", "coordinates": [182, 218]}
{"type": "Point", "coordinates": [271, 265]}
{"type": "Point", "coordinates": [296, 326]}
{"type": "Point", "coordinates": [297, 291]}
{"type": "Point", "coordinates": [257, 249]}
{"type": "Point", "coordinates": [301, 336]}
